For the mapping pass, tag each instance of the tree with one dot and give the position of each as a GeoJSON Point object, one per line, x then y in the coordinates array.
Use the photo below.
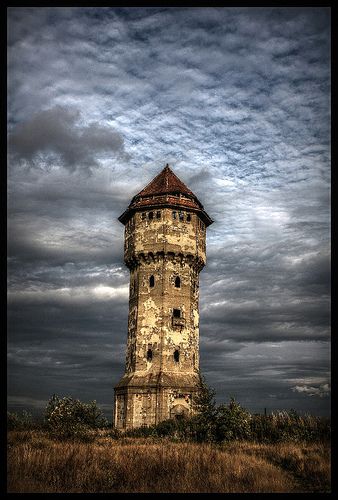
{"type": "Point", "coordinates": [202, 424]}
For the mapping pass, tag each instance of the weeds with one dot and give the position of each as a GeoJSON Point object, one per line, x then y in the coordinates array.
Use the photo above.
{"type": "Point", "coordinates": [158, 465]}
{"type": "Point", "coordinates": [220, 449]}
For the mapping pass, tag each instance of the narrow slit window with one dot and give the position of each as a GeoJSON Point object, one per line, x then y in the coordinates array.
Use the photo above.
{"type": "Point", "coordinates": [149, 355]}
{"type": "Point", "coordinates": [188, 217]}
{"type": "Point", "coordinates": [152, 281]}
{"type": "Point", "coordinates": [178, 282]}
{"type": "Point", "coordinates": [181, 216]}
{"type": "Point", "coordinates": [174, 215]}
{"type": "Point", "coordinates": [151, 215]}
{"type": "Point", "coordinates": [177, 313]}
{"type": "Point", "coordinates": [158, 214]}
{"type": "Point", "coordinates": [177, 356]}
{"type": "Point", "coordinates": [143, 215]}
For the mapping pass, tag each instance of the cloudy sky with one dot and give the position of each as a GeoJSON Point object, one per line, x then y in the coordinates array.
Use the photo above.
{"type": "Point", "coordinates": [237, 101]}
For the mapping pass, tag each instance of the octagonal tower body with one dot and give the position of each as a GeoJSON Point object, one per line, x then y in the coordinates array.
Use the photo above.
{"type": "Point", "coordinates": [165, 250]}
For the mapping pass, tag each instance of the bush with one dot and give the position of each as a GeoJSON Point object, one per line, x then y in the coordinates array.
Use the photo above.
{"type": "Point", "coordinates": [143, 431]}
{"type": "Point", "coordinates": [17, 422]}
{"type": "Point", "coordinates": [232, 423]}
{"type": "Point", "coordinates": [68, 418]}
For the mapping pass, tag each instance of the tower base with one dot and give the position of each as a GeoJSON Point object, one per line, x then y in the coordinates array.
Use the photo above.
{"type": "Point", "coordinates": [143, 400]}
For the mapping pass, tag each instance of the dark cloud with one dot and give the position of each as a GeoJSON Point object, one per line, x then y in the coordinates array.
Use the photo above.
{"type": "Point", "coordinates": [237, 101]}
{"type": "Point", "coordinates": [54, 135]}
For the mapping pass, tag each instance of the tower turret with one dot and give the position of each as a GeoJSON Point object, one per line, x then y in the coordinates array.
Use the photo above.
{"type": "Point", "coordinates": [165, 234]}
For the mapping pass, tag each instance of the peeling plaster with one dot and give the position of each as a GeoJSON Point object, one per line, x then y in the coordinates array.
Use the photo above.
{"type": "Point", "coordinates": [161, 388]}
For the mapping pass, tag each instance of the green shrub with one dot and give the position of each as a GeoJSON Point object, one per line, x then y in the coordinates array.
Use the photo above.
{"type": "Point", "coordinates": [143, 431]}
{"type": "Point", "coordinates": [232, 422]}
{"type": "Point", "coordinates": [20, 422]}
{"type": "Point", "coordinates": [115, 433]}
{"type": "Point", "coordinates": [289, 426]}
{"type": "Point", "coordinates": [68, 418]}
{"type": "Point", "coordinates": [166, 428]}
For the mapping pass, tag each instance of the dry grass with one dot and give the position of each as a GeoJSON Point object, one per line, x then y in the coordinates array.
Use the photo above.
{"type": "Point", "coordinates": [310, 464]}
{"type": "Point", "coordinates": [37, 464]}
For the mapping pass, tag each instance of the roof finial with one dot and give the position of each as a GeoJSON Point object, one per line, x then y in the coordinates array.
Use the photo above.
{"type": "Point", "coordinates": [167, 165]}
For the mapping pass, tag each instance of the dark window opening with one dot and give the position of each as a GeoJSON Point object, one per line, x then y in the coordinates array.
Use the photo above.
{"type": "Point", "coordinates": [144, 215]}
{"type": "Point", "coordinates": [158, 214]}
{"type": "Point", "coordinates": [174, 215]}
{"type": "Point", "coordinates": [188, 217]}
{"type": "Point", "coordinates": [181, 216]}
{"type": "Point", "coordinates": [149, 355]}
{"type": "Point", "coordinates": [151, 215]}
{"type": "Point", "coordinates": [151, 281]}
{"type": "Point", "coordinates": [178, 282]}
{"type": "Point", "coordinates": [177, 313]}
{"type": "Point", "coordinates": [177, 356]}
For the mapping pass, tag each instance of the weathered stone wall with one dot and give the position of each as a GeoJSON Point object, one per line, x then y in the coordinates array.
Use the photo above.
{"type": "Point", "coordinates": [165, 251]}
{"type": "Point", "coordinates": [144, 235]}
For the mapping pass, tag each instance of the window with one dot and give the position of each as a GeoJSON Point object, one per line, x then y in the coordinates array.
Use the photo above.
{"type": "Point", "coordinates": [151, 215]}
{"type": "Point", "coordinates": [158, 214]}
{"type": "Point", "coordinates": [178, 282]}
{"type": "Point", "coordinates": [151, 281]}
{"type": "Point", "coordinates": [188, 217]}
{"type": "Point", "coordinates": [143, 215]}
{"type": "Point", "coordinates": [149, 355]}
{"type": "Point", "coordinates": [181, 216]}
{"type": "Point", "coordinates": [177, 313]}
{"type": "Point", "coordinates": [177, 356]}
{"type": "Point", "coordinates": [174, 215]}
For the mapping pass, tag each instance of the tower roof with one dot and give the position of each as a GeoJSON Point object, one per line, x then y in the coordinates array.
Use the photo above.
{"type": "Point", "coordinates": [166, 182]}
{"type": "Point", "coordinates": [165, 190]}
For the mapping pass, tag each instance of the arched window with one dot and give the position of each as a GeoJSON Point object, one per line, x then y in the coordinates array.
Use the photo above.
{"type": "Point", "coordinates": [177, 356]}
{"type": "Point", "coordinates": [151, 281]}
{"type": "Point", "coordinates": [178, 282]}
{"type": "Point", "coordinates": [149, 355]}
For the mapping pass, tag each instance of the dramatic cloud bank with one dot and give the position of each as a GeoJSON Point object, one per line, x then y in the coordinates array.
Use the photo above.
{"type": "Point", "coordinates": [237, 101]}
{"type": "Point", "coordinates": [55, 131]}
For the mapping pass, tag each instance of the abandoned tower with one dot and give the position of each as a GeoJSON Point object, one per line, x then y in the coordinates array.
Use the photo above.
{"type": "Point", "coordinates": [164, 249]}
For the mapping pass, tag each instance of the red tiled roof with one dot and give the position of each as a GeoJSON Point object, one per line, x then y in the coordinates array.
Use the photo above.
{"type": "Point", "coordinates": [166, 189]}
{"type": "Point", "coordinates": [166, 182]}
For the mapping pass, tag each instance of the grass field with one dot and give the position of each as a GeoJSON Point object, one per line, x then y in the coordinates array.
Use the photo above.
{"type": "Point", "coordinates": [135, 465]}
